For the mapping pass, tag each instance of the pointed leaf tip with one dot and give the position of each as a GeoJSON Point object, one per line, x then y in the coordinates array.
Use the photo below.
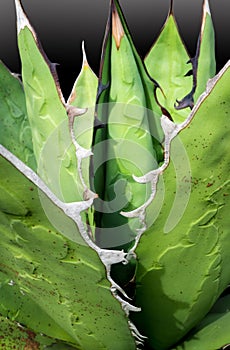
{"type": "Point", "coordinates": [117, 28]}
{"type": "Point", "coordinates": [206, 7]}
{"type": "Point", "coordinates": [171, 7]}
{"type": "Point", "coordinates": [84, 61]}
{"type": "Point", "coordinates": [22, 20]}
{"type": "Point", "coordinates": [206, 10]}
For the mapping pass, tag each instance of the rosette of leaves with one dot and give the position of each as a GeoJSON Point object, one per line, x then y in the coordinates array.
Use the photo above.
{"type": "Point", "coordinates": [114, 205]}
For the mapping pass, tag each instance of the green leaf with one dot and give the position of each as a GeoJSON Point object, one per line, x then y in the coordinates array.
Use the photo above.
{"type": "Point", "coordinates": [61, 162]}
{"type": "Point", "coordinates": [84, 91]}
{"type": "Point", "coordinates": [148, 83]}
{"type": "Point", "coordinates": [205, 52]}
{"type": "Point", "coordinates": [15, 132]}
{"type": "Point", "coordinates": [84, 95]}
{"type": "Point", "coordinates": [47, 111]}
{"type": "Point", "coordinates": [214, 329]}
{"type": "Point", "coordinates": [43, 274]}
{"type": "Point", "coordinates": [184, 255]}
{"type": "Point", "coordinates": [43, 96]}
{"type": "Point", "coordinates": [15, 336]}
{"type": "Point", "coordinates": [167, 62]}
{"type": "Point", "coordinates": [125, 146]}
{"type": "Point", "coordinates": [203, 64]}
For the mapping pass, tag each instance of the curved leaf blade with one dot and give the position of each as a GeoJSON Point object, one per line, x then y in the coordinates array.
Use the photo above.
{"type": "Point", "coordinates": [206, 63]}
{"type": "Point", "coordinates": [167, 62]}
{"type": "Point", "coordinates": [126, 137]}
{"type": "Point", "coordinates": [47, 111]}
{"type": "Point", "coordinates": [14, 336]}
{"type": "Point", "coordinates": [15, 132]}
{"type": "Point", "coordinates": [44, 106]}
{"type": "Point", "coordinates": [48, 270]}
{"type": "Point", "coordinates": [188, 265]}
{"type": "Point", "coordinates": [214, 329]}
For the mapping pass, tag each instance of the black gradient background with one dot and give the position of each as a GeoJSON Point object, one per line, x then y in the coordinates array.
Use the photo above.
{"type": "Point", "coordinates": [62, 25]}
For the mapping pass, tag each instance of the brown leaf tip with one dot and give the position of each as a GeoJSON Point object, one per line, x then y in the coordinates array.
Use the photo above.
{"type": "Point", "coordinates": [117, 28]}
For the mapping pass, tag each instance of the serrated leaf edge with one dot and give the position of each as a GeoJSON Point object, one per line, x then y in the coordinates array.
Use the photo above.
{"type": "Point", "coordinates": [171, 130]}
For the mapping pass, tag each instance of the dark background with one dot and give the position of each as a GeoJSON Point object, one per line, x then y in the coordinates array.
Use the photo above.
{"type": "Point", "coordinates": [62, 25]}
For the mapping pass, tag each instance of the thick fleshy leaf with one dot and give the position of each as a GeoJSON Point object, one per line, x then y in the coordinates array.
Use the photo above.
{"type": "Point", "coordinates": [167, 62]}
{"type": "Point", "coordinates": [63, 171]}
{"type": "Point", "coordinates": [43, 274]}
{"type": "Point", "coordinates": [184, 256]}
{"type": "Point", "coordinates": [44, 106]}
{"type": "Point", "coordinates": [203, 64]}
{"type": "Point", "coordinates": [214, 329]}
{"type": "Point", "coordinates": [84, 95]}
{"type": "Point", "coordinates": [84, 91]}
{"type": "Point", "coordinates": [14, 336]}
{"type": "Point", "coordinates": [206, 63]}
{"type": "Point", "coordinates": [53, 145]}
{"type": "Point", "coordinates": [117, 30]}
{"type": "Point", "coordinates": [15, 132]}
{"type": "Point", "coordinates": [126, 143]}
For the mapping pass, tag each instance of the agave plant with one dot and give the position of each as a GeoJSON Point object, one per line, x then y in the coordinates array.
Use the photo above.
{"type": "Point", "coordinates": [114, 204]}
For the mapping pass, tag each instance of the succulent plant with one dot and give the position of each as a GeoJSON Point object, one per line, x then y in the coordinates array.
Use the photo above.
{"type": "Point", "coordinates": [114, 204]}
